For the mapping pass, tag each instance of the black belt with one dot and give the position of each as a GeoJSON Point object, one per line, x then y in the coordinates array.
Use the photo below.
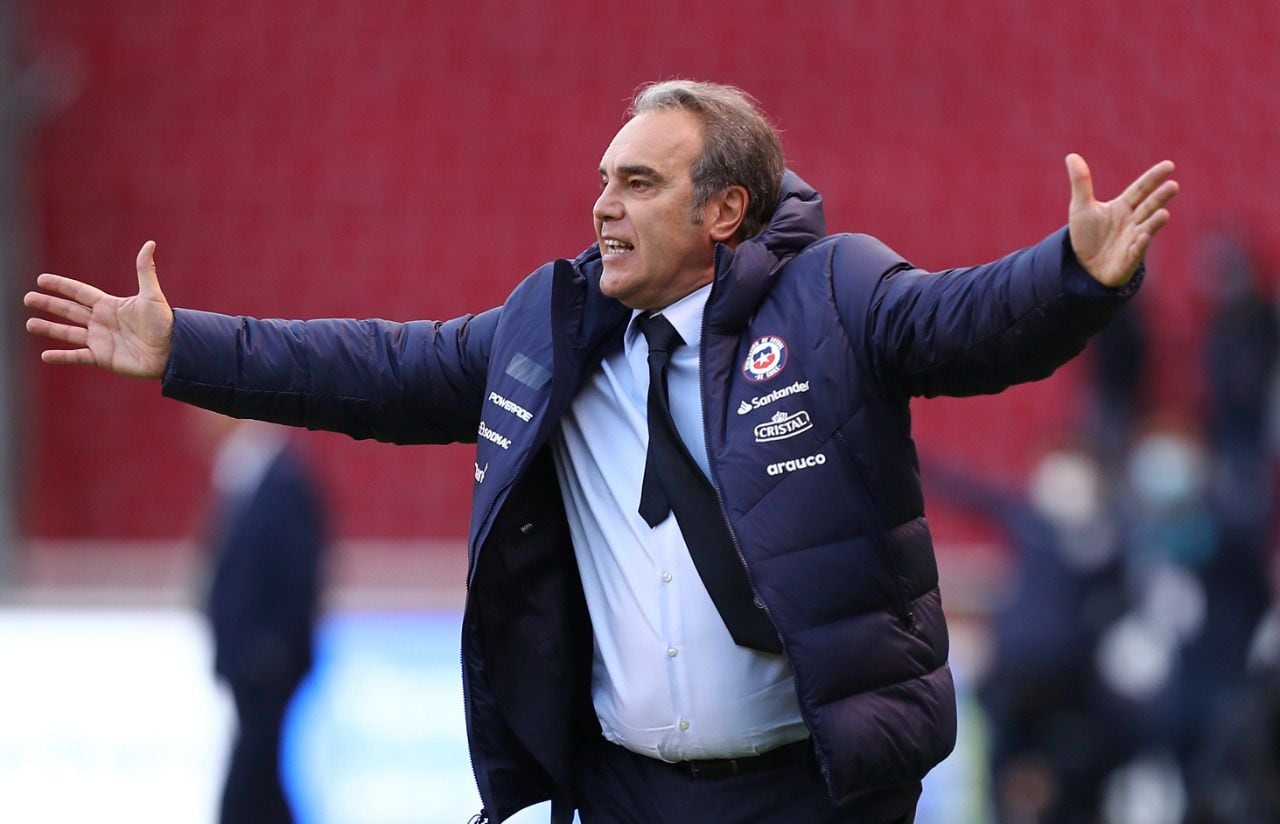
{"type": "Point", "coordinates": [794, 753]}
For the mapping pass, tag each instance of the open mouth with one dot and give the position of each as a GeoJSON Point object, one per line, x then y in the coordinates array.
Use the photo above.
{"type": "Point", "coordinates": [612, 247]}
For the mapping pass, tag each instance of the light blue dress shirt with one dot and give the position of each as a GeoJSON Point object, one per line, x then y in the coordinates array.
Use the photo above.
{"type": "Point", "coordinates": [667, 679]}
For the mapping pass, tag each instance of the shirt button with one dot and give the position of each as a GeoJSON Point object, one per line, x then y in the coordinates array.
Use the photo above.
{"type": "Point", "coordinates": [666, 577]}
{"type": "Point", "coordinates": [684, 725]}
{"type": "Point", "coordinates": [672, 652]}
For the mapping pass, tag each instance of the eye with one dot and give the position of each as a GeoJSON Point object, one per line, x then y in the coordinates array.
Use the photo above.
{"type": "Point", "coordinates": [639, 185]}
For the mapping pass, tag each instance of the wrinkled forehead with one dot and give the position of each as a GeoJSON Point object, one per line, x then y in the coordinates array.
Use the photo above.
{"type": "Point", "coordinates": [668, 141]}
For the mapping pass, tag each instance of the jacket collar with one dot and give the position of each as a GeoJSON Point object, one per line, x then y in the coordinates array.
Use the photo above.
{"type": "Point", "coordinates": [744, 275]}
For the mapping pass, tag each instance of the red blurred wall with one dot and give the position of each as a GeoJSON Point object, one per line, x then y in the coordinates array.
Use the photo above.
{"type": "Point", "coordinates": [414, 159]}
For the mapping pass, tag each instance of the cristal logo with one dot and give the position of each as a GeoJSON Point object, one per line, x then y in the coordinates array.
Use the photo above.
{"type": "Point", "coordinates": [782, 426]}
{"type": "Point", "coordinates": [783, 467]}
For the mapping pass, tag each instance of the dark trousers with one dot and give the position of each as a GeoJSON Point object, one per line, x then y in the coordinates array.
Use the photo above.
{"type": "Point", "coordinates": [619, 787]}
{"type": "Point", "coordinates": [252, 793]}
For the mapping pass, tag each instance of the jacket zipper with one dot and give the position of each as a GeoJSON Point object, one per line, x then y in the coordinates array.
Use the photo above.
{"type": "Point", "coordinates": [733, 538]}
{"type": "Point", "coordinates": [823, 766]}
{"type": "Point", "coordinates": [706, 448]}
{"type": "Point", "coordinates": [482, 817]}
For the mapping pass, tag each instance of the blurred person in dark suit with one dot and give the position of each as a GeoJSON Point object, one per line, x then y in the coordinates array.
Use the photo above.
{"type": "Point", "coordinates": [267, 539]}
{"type": "Point", "coordinates": [1118, 366]}
{"type": "Point", "coordinates": [1241, 351]}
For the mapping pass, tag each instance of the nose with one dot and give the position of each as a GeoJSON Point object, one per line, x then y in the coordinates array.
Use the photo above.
{"type": "Point", "coordinates": [608, 206]}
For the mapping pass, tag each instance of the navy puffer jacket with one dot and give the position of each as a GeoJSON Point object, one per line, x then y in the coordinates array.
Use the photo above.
{"type": "Point", "coordinates": [812, 349]}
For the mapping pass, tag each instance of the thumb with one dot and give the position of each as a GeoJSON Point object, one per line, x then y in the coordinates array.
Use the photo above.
{"type": "Point", "coordinates": [148, 281]}
{"type": "Point", "coordinates": [1081, 181]}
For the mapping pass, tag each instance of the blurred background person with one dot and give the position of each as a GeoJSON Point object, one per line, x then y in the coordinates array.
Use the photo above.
{"type": "Point", "coordinates": [1056, 729]}
{"type": "Point", "coordinates": [1148, 655]}
{"type": "Point", "coordinates": [1118, 359]}
{"type": "Point", "coordinates": [1237, 774]}
{"type": "Point", "coordinates": [1203, 505]}
{"type": "Point", "coordinates": [1223, 707]}
{"type": "Point", "coordinates": [1241, 348]}
{"type": "Point", "coordinates": [1195, 599]}
{"type": "Point", "coordinates": [1242, 342]}
{"type": "Point", "coordinates": [267, 539]}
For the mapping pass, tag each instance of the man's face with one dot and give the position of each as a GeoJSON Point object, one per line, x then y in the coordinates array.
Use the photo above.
{"type": "Point", "coordinates": [653, 252]}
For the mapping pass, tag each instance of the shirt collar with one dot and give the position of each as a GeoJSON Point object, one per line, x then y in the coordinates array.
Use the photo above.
{"type": "Point", "coordinates": [685, 315]}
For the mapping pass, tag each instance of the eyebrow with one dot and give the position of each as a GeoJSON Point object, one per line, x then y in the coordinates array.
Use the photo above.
{"type": "Point", "coordinates": [638, 170]}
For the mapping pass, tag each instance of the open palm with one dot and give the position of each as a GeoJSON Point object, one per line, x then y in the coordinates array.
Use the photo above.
{"type": "Point", "coordinates": [130, 336]}
{"type": "Point", "coordinates": [1110, 238]}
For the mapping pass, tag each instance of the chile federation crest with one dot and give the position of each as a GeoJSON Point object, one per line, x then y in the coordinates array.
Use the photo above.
{"type": "Point", "coordinates": [765, 359]}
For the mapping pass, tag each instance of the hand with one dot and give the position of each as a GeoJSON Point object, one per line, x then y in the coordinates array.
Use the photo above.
{"type": "Point", "coordinates": [129, 336]}
{"type": "Point", "coordinates": [1110, 238]}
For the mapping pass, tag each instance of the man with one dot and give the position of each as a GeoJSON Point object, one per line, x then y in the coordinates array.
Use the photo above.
{"type": "Point", "coordinates": [268, 542]}
{"type": "Point", "coordinates": [776, 650]}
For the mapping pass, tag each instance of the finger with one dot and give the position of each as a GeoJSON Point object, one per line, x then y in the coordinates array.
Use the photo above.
{"type": "Point", "coordinates": [1154, 224]}
{"type": "Point", "coordinates": [148, 280]}
{"type": "Point", "coordinates": [73, 357]}
{"type": "Point", "coordinates": [76, 335]}
{"type": "Point", "coordinates": [81, 293]}
{"type": "Point", "coordinates": [1138, 248]}
{"type": "Point", "coordinates": [1158, 199]}
{"type": "Point", "coordinates": [65, 309]}
{"type": "Point", "coordinates": [1081, 180]}
{"type": "Point", "coordinates": [1146, 184]}
{"type": "Point", "coordinates": [1145, 233]}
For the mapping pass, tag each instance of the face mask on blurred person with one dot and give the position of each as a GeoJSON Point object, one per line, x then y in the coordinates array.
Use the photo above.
{"type": "Point", "coordinates": [1067, 489]}
{"type": "Point", "coordinates": [1168, 474]}
{"type": "Point", "coordinates": [1167, 471]}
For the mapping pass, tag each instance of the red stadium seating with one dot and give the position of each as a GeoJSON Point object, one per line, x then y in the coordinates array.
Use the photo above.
{"type": "Point", "coordinates": [408, 160]}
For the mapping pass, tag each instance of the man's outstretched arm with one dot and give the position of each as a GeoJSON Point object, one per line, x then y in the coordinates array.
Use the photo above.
{"type": "Point", "coordinates": [130, 336]}
{"type": "Point", "coordinates": [416, 382]}
{"type": "Point", "coordinates": [982, 328]}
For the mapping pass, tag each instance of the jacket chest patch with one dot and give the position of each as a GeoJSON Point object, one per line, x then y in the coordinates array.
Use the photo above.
{"type": "Point", "coordinates": [766, 359]}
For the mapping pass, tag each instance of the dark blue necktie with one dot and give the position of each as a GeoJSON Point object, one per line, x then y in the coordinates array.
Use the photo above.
{"type": "Point", "coordinates": [673, 482]}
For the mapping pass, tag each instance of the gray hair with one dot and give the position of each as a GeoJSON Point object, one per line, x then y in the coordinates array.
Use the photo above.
{"type": "Point", "coordinates": [740, 147]}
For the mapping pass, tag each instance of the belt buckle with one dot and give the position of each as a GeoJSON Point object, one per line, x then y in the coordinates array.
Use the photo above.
{"type": "Point", "coordinates": [715, 769]}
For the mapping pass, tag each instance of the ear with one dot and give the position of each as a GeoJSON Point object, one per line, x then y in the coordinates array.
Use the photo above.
{"type": "Point", "coordinates": [725, 213]}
